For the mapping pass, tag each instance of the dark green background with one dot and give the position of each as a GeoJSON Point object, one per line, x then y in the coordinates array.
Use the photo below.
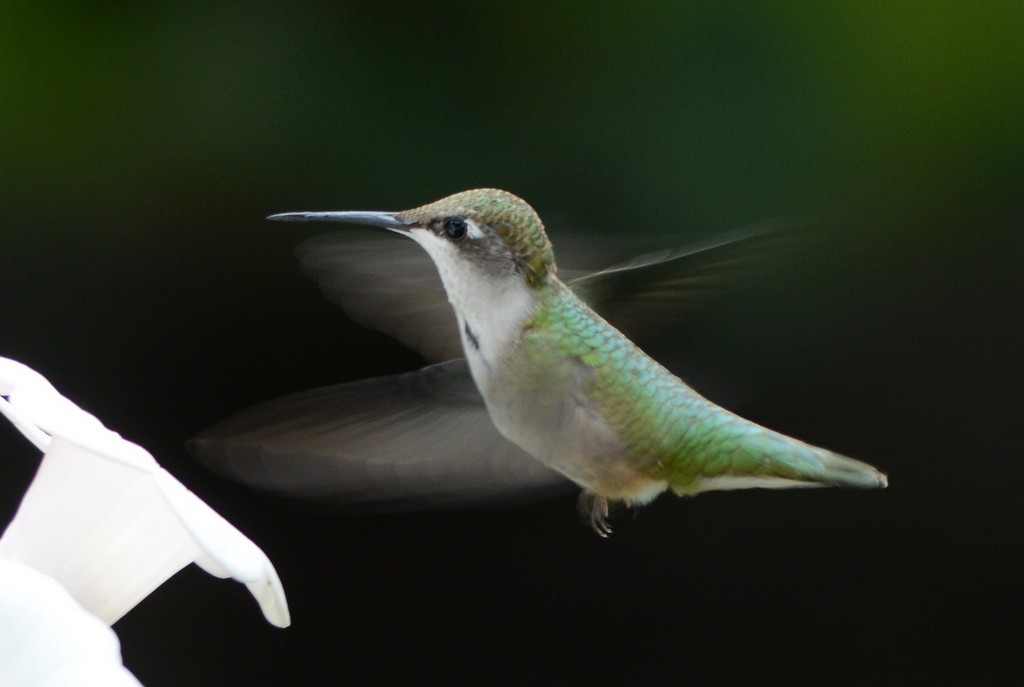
{"type": "Point", "coordinates": [141, 146]}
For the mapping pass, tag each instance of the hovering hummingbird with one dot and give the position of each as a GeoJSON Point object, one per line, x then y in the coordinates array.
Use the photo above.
{"type": "Point", "coordinates": [535, 387]}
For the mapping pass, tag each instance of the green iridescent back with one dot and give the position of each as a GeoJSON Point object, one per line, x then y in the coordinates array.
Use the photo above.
{"type": "Point", "coordinates": [670, 432]}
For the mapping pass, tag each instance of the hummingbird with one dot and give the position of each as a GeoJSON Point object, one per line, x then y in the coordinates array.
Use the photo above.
{"type": "Point", "coordinates": [532, 389]}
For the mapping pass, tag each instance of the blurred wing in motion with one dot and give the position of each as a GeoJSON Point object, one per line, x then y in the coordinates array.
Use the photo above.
{"type": "Point", "coordinates": [390, 284]}
{"type": "Point", "coordinates": [403, 442]}
{"type": "Point", "coordinates": [651, 290]}
{"type": "Point", "coordinates": [387, 283]}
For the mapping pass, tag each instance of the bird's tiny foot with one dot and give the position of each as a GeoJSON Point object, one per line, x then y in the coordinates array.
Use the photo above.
{"type": "Point", "coordinates": [594, 510]}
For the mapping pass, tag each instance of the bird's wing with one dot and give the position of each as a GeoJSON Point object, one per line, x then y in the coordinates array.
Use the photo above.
{"type": "Point", "coordinates": [386, 283]}
{"type": "Point", "coordinates": [410, 441]}
{"type": "Point", "coordinates": [390, 284]}
{"type": "Point", "coordinates": [652, 289]}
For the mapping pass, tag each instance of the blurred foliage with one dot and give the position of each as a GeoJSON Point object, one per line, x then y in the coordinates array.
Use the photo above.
{"type": "Point", "coordinates": [144, 143]}
{"type": "Point", "coordinates": [671, 113]}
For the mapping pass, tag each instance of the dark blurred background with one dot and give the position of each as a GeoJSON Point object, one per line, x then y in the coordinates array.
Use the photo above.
{"type": "Point", "coordinates": [141, 147]}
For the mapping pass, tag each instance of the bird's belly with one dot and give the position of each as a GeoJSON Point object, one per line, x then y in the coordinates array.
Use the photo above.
{"type": "Point", "coordinates": [563, 431]}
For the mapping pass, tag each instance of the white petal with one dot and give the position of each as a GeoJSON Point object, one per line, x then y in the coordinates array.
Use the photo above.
{"type": "Point", "coordinates": [225, 550]}
{"type": "Point", "coordinates": [38, 410]}
{"type": "Point", "coordinates": [14, 374]}
{"type": "Point", "coordinates": [100, 527]}
{"type": "Point", "coordinates": [47, 640]}
{"type": "Point", "coordinates": [105, 520]}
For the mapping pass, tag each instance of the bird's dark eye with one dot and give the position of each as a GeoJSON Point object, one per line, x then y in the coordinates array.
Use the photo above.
{"type": "Point", "coordinates": [455, 228]}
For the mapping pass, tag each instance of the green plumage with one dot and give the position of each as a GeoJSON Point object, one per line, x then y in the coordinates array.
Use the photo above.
{"type": "Point", "coordinates": [669, 431]}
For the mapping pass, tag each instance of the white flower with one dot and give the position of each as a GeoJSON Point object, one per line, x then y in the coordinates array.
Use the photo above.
{"type": "Point", "coordinates": [106, 522]}
{"type": "Point", "coordinates": [46, 639]}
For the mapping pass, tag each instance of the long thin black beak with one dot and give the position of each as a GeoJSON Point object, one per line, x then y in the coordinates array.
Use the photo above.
{"type": "Point", "coordinates": [385, 220]}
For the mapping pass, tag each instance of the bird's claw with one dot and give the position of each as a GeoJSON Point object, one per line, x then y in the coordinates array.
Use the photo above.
{"type": "Point", "coordinates": [594, 510]}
